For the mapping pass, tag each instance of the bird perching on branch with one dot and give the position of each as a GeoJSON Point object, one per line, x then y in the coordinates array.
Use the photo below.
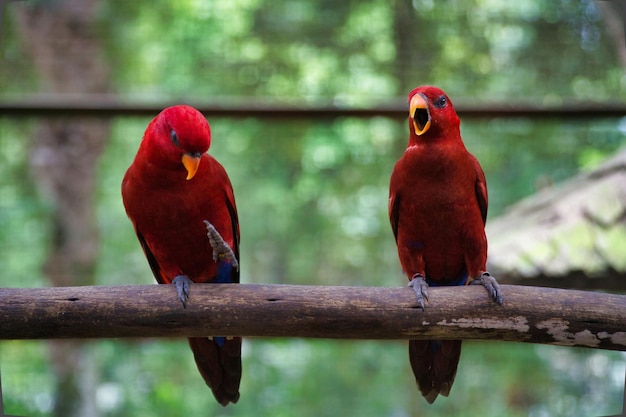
{"type": "Point", "coordinates": [438, 209]}
{"type": "Point", "coordinates": [182, 206]}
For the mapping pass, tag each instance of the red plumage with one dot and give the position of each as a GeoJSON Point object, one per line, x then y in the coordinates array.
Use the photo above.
{"type": "Point", "coordinates": [438, 209]}
{"type": "Point", "coordinates": [169, 213]}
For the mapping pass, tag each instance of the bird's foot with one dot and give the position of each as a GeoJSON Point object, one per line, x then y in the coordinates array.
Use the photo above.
{"type": "Point", "coordinates": [181, 282]}
{"type": "Point", "coordinates": [420, 287]}
{"type": "Point", "coordinates": [491, 285]}
{"type": "Point", "coordinates": [221, 250]}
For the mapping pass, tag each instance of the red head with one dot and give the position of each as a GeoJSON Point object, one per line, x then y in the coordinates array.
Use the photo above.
{"type": "Point", "coordinates": [431, 114]}
{"type": "Point", "coordinates": [179, 134]}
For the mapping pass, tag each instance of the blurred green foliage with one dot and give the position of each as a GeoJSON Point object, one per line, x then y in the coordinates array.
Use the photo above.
{"type": "Point", "coordinates": [312, 195]}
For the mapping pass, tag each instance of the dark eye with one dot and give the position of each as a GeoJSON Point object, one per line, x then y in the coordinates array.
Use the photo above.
{"type": "Point", "coordinates": [441, 102]}
{"type": "Point", "coordinates": [174, 137]}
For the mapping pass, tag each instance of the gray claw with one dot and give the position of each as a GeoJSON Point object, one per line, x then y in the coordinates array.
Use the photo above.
{"type": "Point", "coordinates": [491, 285]}
{"type": "Point", "coordinates": [182, 288]}
{"type": "Point", "coordinates": [420, 287]}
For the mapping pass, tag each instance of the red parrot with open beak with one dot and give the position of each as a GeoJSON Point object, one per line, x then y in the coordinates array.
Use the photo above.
{"type": "Point", "coordinates": [438, 209]}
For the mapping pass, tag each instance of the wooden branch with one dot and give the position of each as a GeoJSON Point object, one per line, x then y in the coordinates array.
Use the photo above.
{"type": "Point", "coordinates": [529, 314]}
{"type": "Point", "coordinates": [110, 105]}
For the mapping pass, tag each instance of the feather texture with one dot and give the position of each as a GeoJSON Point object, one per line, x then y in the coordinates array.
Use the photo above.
{"type": "Point", "coordinates": [437, 209]}
{"type": "Point", "coordinates": [169, 213]}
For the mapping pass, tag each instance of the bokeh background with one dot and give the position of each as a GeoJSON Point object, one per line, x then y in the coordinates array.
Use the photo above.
{"type": "Point", "coordinates": [311, 191]}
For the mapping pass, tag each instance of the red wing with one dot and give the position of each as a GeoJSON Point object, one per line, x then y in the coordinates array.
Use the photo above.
{"type": "Point", "coordinates": [394, 213]}
{"type": "Point", "coordinates": [154, 265]}
{"type": "Point", "coordinates": [481, 190]}
{"type": "Point", "coordinates": [232, 210]}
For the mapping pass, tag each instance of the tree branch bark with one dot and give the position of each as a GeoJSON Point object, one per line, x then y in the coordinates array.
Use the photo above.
{"type": "Point", "coordinates": [529, 314]}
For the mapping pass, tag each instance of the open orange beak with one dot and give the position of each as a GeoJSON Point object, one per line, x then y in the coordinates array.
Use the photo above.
{"type": "Point", "coordinates": [191, 163]}
{"type": "Point", "coordinates": [418, 112]}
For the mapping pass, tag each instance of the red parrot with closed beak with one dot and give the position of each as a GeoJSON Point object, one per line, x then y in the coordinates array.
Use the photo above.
{"type": "Point", "coordinates": [182, 206]}
{"type": "Point", "coordinates": [437, 210]}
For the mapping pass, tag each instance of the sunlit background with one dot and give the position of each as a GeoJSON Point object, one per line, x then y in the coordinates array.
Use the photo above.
{"type": "Point", "coordinates": [311, 192]}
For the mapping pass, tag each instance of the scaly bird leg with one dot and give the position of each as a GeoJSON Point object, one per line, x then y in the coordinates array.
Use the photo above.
{"type": "Point", "coordinates": [491, 285]}
{"type": "Point", "coordinates": [221, 250]}
{"type": "Point", "coordinates": [420, 287]}
{"type": "Point", "coordinates": [182, 288]}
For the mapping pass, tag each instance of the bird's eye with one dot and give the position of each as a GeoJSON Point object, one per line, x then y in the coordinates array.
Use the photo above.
{"type": "Point", "coordinates": [441, 102]}
{"type": "Point", "coordinates": [174, 137]}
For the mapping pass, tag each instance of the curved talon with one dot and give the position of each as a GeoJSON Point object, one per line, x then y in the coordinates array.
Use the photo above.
{"type": "Point", "coordinates": [220, 247]}
{"type": "Point", "coordinates": [491, 285]}
{"type": "Point", "coordinates": [420, 287]}
{"type": "Point", "coordinates": [181, 282]}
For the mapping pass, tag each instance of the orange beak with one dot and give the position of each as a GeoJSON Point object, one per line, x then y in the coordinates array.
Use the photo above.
{"type": "Point", "coordinates": [191, 163]}
{"type": "Point", "coordinates": [418, 112]}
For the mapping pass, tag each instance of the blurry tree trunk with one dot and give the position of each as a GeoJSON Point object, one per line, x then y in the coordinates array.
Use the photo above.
{"type": "Point", "coordinates": [405, 36]}
{"type": "Point", "coordinates": [61, 38]}
{"type": "Point", "coordinates": [614, 13]}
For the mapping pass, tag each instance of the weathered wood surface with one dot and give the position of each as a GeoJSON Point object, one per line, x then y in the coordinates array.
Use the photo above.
{"type": "Point", "coordinates": [529, 314]}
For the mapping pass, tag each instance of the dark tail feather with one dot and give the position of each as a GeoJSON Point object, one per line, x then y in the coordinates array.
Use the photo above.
{"type": "Point", "coordinates": [219, 363]}
{"type": "Point", "coordinates": [434, 364]}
